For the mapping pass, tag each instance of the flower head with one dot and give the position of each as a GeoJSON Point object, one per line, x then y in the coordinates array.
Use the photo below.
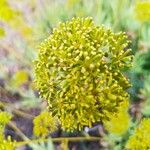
{"type": "Point", "coordinates": [142, 10]}
{"type": "Point", "coordinates": [140, 140]}
{"type": "Point", "coordinates": [119, 122]}
{"type": "Point", "coordinates": [79, 72]}
{"type": "Point", "coordinates": [4, 118]}
{"type": "Point", "coordinates": [44, 124]}
{"type": "Point", "coordinates": [7, 144]}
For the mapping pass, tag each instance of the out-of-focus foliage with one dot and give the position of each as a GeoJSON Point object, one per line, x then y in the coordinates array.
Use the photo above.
{"type": "Point", "coordinates": [43, 146]}
{"type": "Point", "coordinates": [146, 92]}
{"type": "Point", "coordinates": [14, 18]}
{"type": "Point", "coordinates": [2, 32]}
{"type": "Point", "coordinates": [141, 63]}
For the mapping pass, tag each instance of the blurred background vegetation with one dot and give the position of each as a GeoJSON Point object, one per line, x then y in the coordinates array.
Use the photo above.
{"type": "Point", "coordinates": [25, 23]}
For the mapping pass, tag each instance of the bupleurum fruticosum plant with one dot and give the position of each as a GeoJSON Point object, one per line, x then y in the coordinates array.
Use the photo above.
{"type": "Point", "coordinates": [79, 71]}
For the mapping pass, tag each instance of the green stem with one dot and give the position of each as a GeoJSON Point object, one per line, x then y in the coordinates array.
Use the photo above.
{"type": "Point", "coordinates": [71, 139]}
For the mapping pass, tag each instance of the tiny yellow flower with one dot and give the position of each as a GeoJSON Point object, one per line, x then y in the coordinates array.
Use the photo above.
{"type": "Point", "coordinates": [140, 140]}
{"type": "Point", "coordinates": [142, 10]}
{"type": "Point", "coordinates": [44, 124]}
{"type": "Point", "coordinates": [4, 118]}
{"type": "Point", "coordinates": [118, 123]}
{"type": "Point", "coordinates": [7, 144]}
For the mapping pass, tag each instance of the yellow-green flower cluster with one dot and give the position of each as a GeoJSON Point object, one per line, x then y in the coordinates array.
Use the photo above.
{"type": "Point", "coordinates": [5, 144]}
{"type": "Point", "coordinates": [6, 12]}
{"type": "Point", "coordinates": [44, 124]}
{"type": "Point", "coordinates": [4, 119]}
{"type": "Point", "coordinates": [119, 122]}
{"type": "Point", "coordinates": [140, 140]}
{"type": "Point", "coordinates": [142, 10]}
{"type": "Point", "coordinates": [78, 71]}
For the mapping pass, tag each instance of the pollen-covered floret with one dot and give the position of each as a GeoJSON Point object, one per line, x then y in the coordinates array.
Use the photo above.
{"type": "Point", "coordinates": [44, 124]}
{"type": "Point", "coordinates": [79, 71]}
